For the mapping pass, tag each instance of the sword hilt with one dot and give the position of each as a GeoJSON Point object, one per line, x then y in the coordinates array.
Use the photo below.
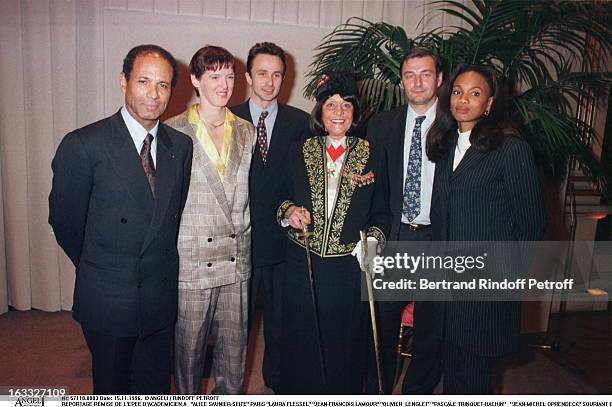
{"type": "Point", "coordinates": [364, 242]}
{"type": "Point", "coordinates": [364, 251]}
{"type": "Point", "coordinates": [305, 234]}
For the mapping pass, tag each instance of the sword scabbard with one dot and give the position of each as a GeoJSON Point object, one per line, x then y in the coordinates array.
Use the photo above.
{"type": "Point", "coordinates": [368, 278]}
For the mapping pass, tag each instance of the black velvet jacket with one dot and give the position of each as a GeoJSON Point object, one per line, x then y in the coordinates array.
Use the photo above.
{"type": "Point", "coordinates": [361, 202]}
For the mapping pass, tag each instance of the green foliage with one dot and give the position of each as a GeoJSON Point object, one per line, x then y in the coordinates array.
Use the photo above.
{"type": "Point", "coordinates": [552, 52]}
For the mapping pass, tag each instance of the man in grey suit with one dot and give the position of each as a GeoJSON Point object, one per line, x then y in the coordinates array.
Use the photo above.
{"type": "Point", "coordinates": [119, 188]}
{"type": "Point", "coordinates": [278, 127]}
{"type": "Point", "coordinates": [215, 233]}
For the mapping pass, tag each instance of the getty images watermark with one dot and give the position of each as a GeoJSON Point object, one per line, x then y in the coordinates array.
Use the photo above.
{"type": "Point", "coordinates": [491, 271]}
{"type": "Point", "coordinates": [458, 264]}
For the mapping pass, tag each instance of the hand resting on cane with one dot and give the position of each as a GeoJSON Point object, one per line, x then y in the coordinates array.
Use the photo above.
{"type": "Point", "coordinates": [297, 217]}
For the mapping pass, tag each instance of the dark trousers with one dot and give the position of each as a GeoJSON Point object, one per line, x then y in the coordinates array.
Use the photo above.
{"type": "Point", "coordinates": [130, 365]}
{"type": "Point", "coordinates": [270, 279]}
{"type": "Point", "coordinates": [466, 372]}
{"type": "Point", "coordinates": [389, 315]}
{"type": "Point", "coordinates": [425, 369]}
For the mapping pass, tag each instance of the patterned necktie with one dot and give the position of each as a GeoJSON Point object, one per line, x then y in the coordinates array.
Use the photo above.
{"type": "Point", "coordinates": [412, 188]}
{"type": "Point", "coordinates": [147, 162]}
{"type": "Point", "coordinates": [262, 135]}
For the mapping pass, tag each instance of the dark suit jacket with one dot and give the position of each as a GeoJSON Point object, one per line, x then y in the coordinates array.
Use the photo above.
{"type": "Point", "coordinates": [386, 132]}
{"type": "Point", "coordinates": [491, 196]}
{"type": "Point", "coordinates": [268, 239]}
{"type": "Point", "coordinates": [121, 240]}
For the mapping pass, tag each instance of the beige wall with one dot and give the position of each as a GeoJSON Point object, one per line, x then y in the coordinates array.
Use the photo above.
{"type": "Point", "coordinates": [59, 68]}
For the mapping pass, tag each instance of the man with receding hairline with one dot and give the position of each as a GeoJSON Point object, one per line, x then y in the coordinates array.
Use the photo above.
{"type": "Point", "coordinates": [119, 189]}
{"type": "Point", "coordinates": [401, 135]}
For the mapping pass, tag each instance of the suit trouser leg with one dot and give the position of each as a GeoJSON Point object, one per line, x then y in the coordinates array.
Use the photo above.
{"type": "Point", "coordinates": [196, 309]}
{"type": "Point", "coordinates": [254, 286]}
{"type": "Point", "coordinates": [389, 319]}
{"type": "Point", "coordinates": [425, 369]}
{"type": "Point", "coordinates": [229, 331]}
{"type": "Point", "coordinates": [130, 365]}
{"type": "Point", "coordinates": [466, 372]}
{"type": "Point", "coordinates": [272, 277]}
{"type": "Point", "coordinates": [152, 363]}
{"type": "Point", "coordinates": [111, 358]}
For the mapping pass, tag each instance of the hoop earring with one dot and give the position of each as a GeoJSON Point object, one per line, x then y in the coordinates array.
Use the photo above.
{"type": "Point", "coordinates": [486, 113]}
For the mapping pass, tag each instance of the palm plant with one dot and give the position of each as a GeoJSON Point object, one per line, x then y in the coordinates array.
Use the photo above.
{"type": "Point", "coordinates": [553, 53]}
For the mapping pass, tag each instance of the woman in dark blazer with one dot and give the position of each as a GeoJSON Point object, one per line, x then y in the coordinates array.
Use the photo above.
{"type": "Point", "coordinates": [486, 188]}
{"type": "Point", "coordinates": [333, 186]}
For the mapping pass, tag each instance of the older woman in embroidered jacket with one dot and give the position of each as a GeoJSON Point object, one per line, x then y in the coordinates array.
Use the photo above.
{"type": "Point", "coordinates": [332, 187]}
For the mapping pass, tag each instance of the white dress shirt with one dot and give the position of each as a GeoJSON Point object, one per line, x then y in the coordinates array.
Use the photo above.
{"type": "Point", "coordinates": [463, 143]}
{"type": "Point", "coordinates": [428, 168]}
{"type": "Point", "coordinates": [139, 133]}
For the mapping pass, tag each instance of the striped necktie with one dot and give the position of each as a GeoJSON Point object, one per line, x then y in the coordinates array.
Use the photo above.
{"type": "Point", "coordinates": [147, 162]}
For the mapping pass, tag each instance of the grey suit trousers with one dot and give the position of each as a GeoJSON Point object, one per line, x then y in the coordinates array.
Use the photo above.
{"type": "Point", "coordinates": [222, 313]}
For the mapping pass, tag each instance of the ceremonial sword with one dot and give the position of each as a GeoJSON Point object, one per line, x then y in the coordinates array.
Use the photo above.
{"type": "Point", "coordinates": [368, 278]}
{"type": "Point", "coordinates": [313, 294]}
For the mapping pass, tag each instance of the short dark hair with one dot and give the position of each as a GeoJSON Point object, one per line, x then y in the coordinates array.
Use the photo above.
{"type": "Point", "coordinates": [128, 61]}
{"type": "Point", "coordinates": [486, 134]}
{"type": "Point", "coordinates": [210, 58]}
{"type": "Point", "coordinates": [316, 117]}
{"type": "Point", "coordinates": [269, 48]}
{"type": "Point", "coordinates": [422, 52]}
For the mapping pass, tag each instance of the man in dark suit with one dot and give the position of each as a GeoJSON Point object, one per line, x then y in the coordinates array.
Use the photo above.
{"type": "Point", "coordinates": [399, 138]}
{"type": "Point", "coordinates": [119, 188]}
{"type": "Point", "coordinates": [278, 127]}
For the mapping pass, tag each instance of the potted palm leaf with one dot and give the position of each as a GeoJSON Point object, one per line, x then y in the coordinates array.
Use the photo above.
{"type": "Point", "coordinates": [551, 55]}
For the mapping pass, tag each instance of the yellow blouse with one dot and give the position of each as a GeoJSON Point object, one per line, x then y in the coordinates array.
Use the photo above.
{"type": "Point", "coordinates": [204, 138]}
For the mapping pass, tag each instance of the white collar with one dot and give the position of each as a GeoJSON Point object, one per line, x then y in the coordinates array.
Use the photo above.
{"type": "Point", "coordinates": [256, 109]}
{"type": "Point", "coordinates": [136, 130]}
{"type": "Point", "coordinates": [335, 143]}
{"type": "Point", "coordinates": [429, 114]}
{"type": "Point", "coordinates": [465, 134]}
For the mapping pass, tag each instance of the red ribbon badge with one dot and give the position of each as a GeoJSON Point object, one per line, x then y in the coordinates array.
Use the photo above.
{"type": "Point", "coordinates": [335, 152]}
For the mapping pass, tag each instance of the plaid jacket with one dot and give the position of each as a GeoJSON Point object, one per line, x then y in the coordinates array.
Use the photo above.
{"type": "Point", "coordinates": [214, 240]}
